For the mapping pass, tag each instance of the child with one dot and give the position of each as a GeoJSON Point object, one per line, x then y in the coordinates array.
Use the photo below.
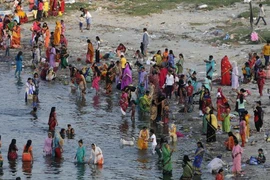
{"type": "Point", "coordinates": [246, 72]}
{"type": "Point", "coordinates": [34, 113]}
{"type": "Point", "coordinates": [153, 139]}
{"type": "Point", "coordinates": [7, 43]}
{"type": "Point", "coordinates": [133, 109]}
{"type": "Point", "coordinates": [220, 175]}
{"type": "Point", "coordinates": [189, 94]}
{"type": "Point", "coordinates": [63, 27]}
{"type": "Point", "coordinates": [243, 129]}
{"type": "Point", "coordinates": [81, 19]}
{"type": "Point", "coordinates": [247, 116]}
{"type": "Point", "coordinates": [261, 158]}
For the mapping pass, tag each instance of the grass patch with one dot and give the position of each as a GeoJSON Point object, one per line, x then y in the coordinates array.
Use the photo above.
{"type": "Point", "coordinates": [146, 7]}
{"type": "Point", "coordinates": [246, 14]}
{"type": "Point", "coordinates": [196, 24]}
{"type": "Point", "coordinates": [78, 5]}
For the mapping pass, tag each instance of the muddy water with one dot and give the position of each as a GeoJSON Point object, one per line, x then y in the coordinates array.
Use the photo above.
{"type": "Point", "coordinates": [96, 120]}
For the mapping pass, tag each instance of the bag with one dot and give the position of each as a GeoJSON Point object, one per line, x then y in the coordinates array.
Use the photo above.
{"type": "Point", "coordinates": [253, 161]}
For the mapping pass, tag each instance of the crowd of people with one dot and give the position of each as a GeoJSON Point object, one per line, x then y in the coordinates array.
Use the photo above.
{"type": "Point", "coordinates": [152, 92]}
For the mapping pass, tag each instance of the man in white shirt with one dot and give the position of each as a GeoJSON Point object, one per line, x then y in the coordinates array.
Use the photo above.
{"type": "Point", "coordinates": [153, 140]}
{"type": "Point", "coordinates": [86, 14]}
{"type": "Point", "coordinates": [215, 164]}
{"type": "Point", "coordinates": [169, 84]}
{"type": "Point", "coordinates": [261, 15]}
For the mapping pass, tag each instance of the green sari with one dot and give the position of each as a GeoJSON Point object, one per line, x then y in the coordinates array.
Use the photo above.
{"type": "Point", "coordinates": [64, 55]}
{"type": "Point", "coordinates": [204, 128]}
{"type": "Point", "coordinates": [226, 124]}
{"type": "Point", "coordinates": [167, 162]}
{"type": "Point", "coordinates": [80, 154]}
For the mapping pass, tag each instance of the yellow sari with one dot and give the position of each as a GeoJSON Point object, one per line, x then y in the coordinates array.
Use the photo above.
{"type": "Point", "coordinates": [143, 140]}
{"type": "Point", "coordinates": [57, 33]}
{"type": "Point", "coordinates": [16, 37]}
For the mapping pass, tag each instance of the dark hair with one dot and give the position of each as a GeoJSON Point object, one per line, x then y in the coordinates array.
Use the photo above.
{"type": "Point", "coordinates": [19, 54]}
{"type": "Point", "coordinates": [220, 171]}
{"type": "Point", "coordinates": [145, 29]}
{"type": "Point", "coordinates": [97, 38]}
{"type": "Point", "coordinates": [12, 145]}
{"type": "Point", "coordinates": [80, 141]}
{"type": "Point", "coordinates": [52, 111]}
{"type": "Point", "coordinates": [210, 57]}
{"type": "Point", "coordinates": [241, 98]}
{"type": "Point", "coordinates": [88, 41]}
{"type": "Point", "coordinates": [69, 125]}
{"type": "Point", "coordinates": [152, 131]}
{"type": "Point", "coordinates": [144, 127]}
{"type": "Point", "coordinates": [186, 159]}
{"type": "Point", "coordinates": [35, 109]}
{"type": "Point", "coordinates": [28, 144]}
{"type": "Point", "coordinates": [261, 150]}
{"type": "Point", "coordinates": [260, 5]}
{"type": "Point", "coordinates": [181, 55]}
{"type": "Point", "coordinates": [235, 141]}
{"type": "Point", "coordinates": [200, 143]}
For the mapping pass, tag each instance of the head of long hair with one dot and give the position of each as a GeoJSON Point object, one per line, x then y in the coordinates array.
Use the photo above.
{"type": "Point", "coordinates": [28, 144]}
{"type": "Point", "coordinates": [19, 54]}
{"type": "Point", "coordinates": [12, 144]}
{"type": "Point", "coordinates": [241, 98]}
{"type": "Point", "coordinates": [200, 144]}
{"type": "Point", "coordinates": [186, 159]}
{"type": "Point", "coordinates": [52, 111]}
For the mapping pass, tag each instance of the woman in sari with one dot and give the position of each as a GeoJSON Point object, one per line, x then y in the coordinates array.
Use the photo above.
{"type": "Point", "coordinates": [16, 36]}
{"type": "Point", "coordinates": [53, 7]}
{"type": "Point", "coordinates": [80, 154]}
{"type": "Point", "coordinates": [62, 6]}
{"type": "Point", "coordinates": [187, 169]}
{"type": "Point", "coordinates": [206, 100]}
{"type": "Point", "coordinates": [235, 76]}
{"type": "Point", "coordinates": [261, 76]}
{"type": "Point", "coordinates": [109, 79]}
{"type": "Point", "coordinates": [52, 120]}
{"type": "Point", "coordinates": [166, 159]}
{"type": "Point", "coordinates": [63, 40]}
{"type": "Point", "coordinates": [57, 147]}
{"type": "Point", "coordinates": [22, 15]}
{"type": "Point", "coordinates": [27, 155]}
{"type": "Point", "coordinates": [127, 76]}
{"type": "Point", "coordinates": [143, 77]}
{"type": "Point", "coordinates": [120, 49]}
{"type": "Point", "coordinates": [47, 148]}
{"type": "Point", "coordinates": [230, 142]}
{"type": "Point", "coordinates": [46, 35]}
{"type": "Point", "coordinates": [19, 59]}
{"type": "Point", "coordinates": [226, 67]}
{"type": "Point", "coordinates": [198, 158]}
{"type": "Point", "coordinates": [180, 64]}
{"type": "Point", "coordinates": [123, 102]}
{"type": "Point", "coordinates": [211, 127]}
{"type": "Point", "coordinates": [96, 155]}
{"type": "Point", "coordinates": [12, 151]}
{"type": "Point", "coordinates": [221, 104]}
{"type": "Point", "coordinates": [204, 128]}
{"type": "Point", "coordinates": [143, 139]}
{"type": "Point", "coordinates": [57, 33]}
{"type": "Point", "coordinates": [64, 55]}
{"type": "Point", "coordinates": [52, 56]}
{"type": "Point", "coordinates": [162, 76]}
{"type": "Point", "coordinates": [90, 52]}
{"type": "Point", "coordinates": [236, 156]}
{"type": "Point", "coordinates": [226, 123]}
{"type": "Point", "coordinates": [96, 78]}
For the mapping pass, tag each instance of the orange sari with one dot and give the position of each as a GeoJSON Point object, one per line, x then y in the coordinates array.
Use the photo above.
{"type": "Point", "coordinates": [90, 53]}
{"type": "Point", "coordinates": [57, 33]}
{"type": "Point", "coordinates": [47, 37]}
{"type": "Point", "coordinates": [16, 37]}
{"type": "Point", "coordinates": [143, 140]}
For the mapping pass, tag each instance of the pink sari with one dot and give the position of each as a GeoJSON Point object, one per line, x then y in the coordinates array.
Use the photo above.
{"type": "Point", "coordinates": [95, 83]}
{"type": "Point", "coordinates": [237, 155]}
{"type": "Point", "coordinates": [124, 101]}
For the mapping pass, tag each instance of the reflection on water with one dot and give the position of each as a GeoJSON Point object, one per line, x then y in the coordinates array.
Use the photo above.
{"type": "Point", "coordinates": [97, 119]}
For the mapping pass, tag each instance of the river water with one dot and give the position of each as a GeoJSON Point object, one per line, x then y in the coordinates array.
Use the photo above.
{"type": "Point", "coordinates": [96, 120]}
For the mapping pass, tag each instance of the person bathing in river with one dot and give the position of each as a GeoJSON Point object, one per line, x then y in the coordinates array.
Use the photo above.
{"type": "Point", "coordinates": [12, 151]}
{"type": "Point", "coordinates": [96, 155]}
{"type": "Point", "coordinates": [80, 154]}
{"type": "Point", "coordinates": [52, 120]}
{"type": "Point", "coordinates": [96, 79]}
{"type": "Point", "coordinates": [47, 149]}
{"type": "Point", "coordinates": [30, 88]}
{"type": "Point", "coordinates": [27, 155]}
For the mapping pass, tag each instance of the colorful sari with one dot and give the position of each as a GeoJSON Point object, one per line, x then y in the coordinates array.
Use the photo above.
{"type": "Point", "coordinates": [95, 83]}
{"type": "Point", "coordinates": [57, 33]}
{"type": "Point", "coordinates": [58, 143]}
{"type": "Point", "coordinates": [124, 101]}
{"type": "Point", "coordinates": [229, 143]}
{"type": "Point", "coordinates": [261, 75]}
{"type": "Point", "coordinates": [162, 76]}
{"type": "Point", "coordinates": [145, 103]}
{"type": "Point", "coordinates": [210, 68]}
{"type": "Point", "coordinates": [167, 161]}
{"type": "Point", "coordinates": [90, 53]}
{"type": "Point", "coordinates": [226, 123]}
{"type": "Point", "coordinates": [22, 15]}
{"type": "Point", "coordinates": [47, 149]}
{"type": "Point", "coordinates": [62, 6]}
{"type": "Point", "coordinates": [225, 71]}
{"type": "Point", "coordinates": [26, 156]}
{"type": "Point", "coordinates": [237, 156]}
{"type": "Point", "coordinates": [109, 81]}
{"type": "Point", "coordinates": [143, 79]}
{"type": "Point", "coordinates": [53, 7]}
{"type": "Point", "coordinates": [127, 77]}
{"type": "Point", "coordinates": [143, 140]}
{"type": "Point", "coordinates": [47, 35]}
{"type": "Point", "coordinates": [64, 56]}
{"type": "Point", "coordinates": [52, 56]}
{"type": "Point", "coordinates": [221, 107]}
{"type": "Point", "coordinates": [211, 128]}
{"type": "Point", "coordinates": [198, 160]}
{"type": "Point", "coordinates": [80, 154]}
{"type": "Point", "coordinates": [16, 37]}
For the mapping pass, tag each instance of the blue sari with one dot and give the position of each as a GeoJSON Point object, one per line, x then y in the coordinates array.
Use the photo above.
{"type": "Point", "coordinates": [198, 160]}
{"type": "Point", "coordinates": [210, 68]}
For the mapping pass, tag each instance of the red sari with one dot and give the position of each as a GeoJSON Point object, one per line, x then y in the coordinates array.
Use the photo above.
{"type": "Point", "coordinates": [53, 8]}
{"type": "Point", "coordinates": [261, 81]}
{"type": "Point", "coordinates": [162, 76]}
{"type": "Point", "coordinates": [124, 101]}
{"type": "Point", "coordinates": [62, 6]}
{"type": "Point", "coordinates": [225, 71]}
{"type": "Point", "coordinates": [221, 108]}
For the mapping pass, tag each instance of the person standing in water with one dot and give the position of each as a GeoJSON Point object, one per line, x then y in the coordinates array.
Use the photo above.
{"type": "Point", "coordinates": [145, 41]}
{"type": "Point", "coordinates": [96, 155]}
{"type": "Point", "coordinates": [19, 59]}
{"type": "Point", "coordinates": [80, 154]}
{"type": "Point", "coordinates": [47, 149]}
{"type": "Point", "coordinates": [27, 155]}
{"type": "Point", "coordinates": [52, 120]}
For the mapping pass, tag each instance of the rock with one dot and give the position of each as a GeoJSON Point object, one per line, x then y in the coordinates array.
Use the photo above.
{"type": "Point", "coordinates": [203, 6]}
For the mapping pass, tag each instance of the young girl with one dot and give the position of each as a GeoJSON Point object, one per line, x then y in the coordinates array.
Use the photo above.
{"type": "Point", "coordinates": [95, 83]}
